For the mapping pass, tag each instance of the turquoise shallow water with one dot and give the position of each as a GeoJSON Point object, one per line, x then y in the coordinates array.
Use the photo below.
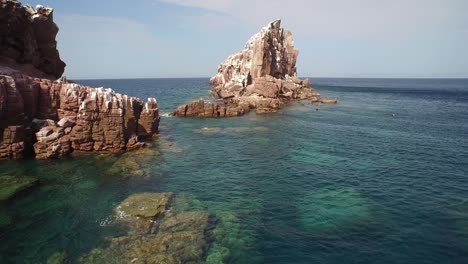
{"type": "Point", "coordinates": [381, 177]}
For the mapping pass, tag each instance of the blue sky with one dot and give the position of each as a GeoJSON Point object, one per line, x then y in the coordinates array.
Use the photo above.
{"type": "Point", "coordinates": [190, 38]}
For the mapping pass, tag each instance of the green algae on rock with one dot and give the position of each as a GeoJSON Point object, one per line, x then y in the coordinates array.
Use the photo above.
{"type": "Point", "coordinates": [328, 210]}
{"type": "Point", "coordinates": [155, 234]}
{"type": "Point", "coordinates": [179, 247]}
{"type": "Point", "coordinates": [132, 164]}
{"type": "Point", "coordinates": [12, 185]}
{"type": "Point", "coordinates": [126, 166]}
{"type": "Point", "coordinates": [145, 204]}
{"type": "Point", "coordinates": [58, 258]}
{"type": "Point", "coordinates": [184, 221]}
{"type": "Point", "coordinates": [230, 240]}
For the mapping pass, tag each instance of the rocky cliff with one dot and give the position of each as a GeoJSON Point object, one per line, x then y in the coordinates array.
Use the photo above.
{"type": "Point", "coordinates": [48, 118]}
{"type": "Point", "coordinates": [262, 76]}
{"type": "Point", "coordinates": [27, 39]}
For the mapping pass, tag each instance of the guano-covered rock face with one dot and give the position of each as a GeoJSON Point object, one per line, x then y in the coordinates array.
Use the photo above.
{"type": "Point", "coordinates": [53, 118]}
{"type": "Point", "coordinates": [269, 52]}
{"type": "Point", "coordinates": [262, 76]}
{"type": "Point", "coordinates": [48, 118]}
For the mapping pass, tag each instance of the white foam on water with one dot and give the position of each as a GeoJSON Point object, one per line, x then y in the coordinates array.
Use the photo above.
{"type": "Point", "coordinates": [168, 114]}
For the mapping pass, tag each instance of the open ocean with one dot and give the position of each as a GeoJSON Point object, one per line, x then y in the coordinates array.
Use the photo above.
{"type": "Point", "coordinates": [381, 177]}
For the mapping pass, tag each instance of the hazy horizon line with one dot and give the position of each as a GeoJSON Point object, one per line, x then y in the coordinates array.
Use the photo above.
{"type": "Point", "coordinates": [317, 77]}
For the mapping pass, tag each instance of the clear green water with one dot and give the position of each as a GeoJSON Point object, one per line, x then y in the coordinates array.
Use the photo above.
{"type": "Point", "coordinates": [382, 177]}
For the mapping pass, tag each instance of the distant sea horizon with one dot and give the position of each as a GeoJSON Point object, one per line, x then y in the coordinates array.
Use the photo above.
{"type": "Point", "coordinates": [205, 77]}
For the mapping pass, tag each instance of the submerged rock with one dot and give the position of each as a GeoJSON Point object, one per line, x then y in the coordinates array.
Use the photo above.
{"type": "Point", "coordinates": [12, 185]}
{"type": "Point", "coordinates": [262, 76]}
{"type": "Point", "coordinates": [328, 100]}
{"type": "Point", "coordinates": [145, 204]}
{"type": "Point", "coordinates": [132, 164]}
{"type": "Point", "coordinates": [328, 210]}
{"type": "Point", "coordinates": [127, 167]}
{"type": "Point", "coordinates": [184, 221]}
{"type": "Point", "coordinates": [179, 247]}
{"type": "Point", "coordinates": [58, 258]}
{"type": "Point", "coordinates": [165, 145]}
{"type": "Point", "coordinates": [156, 235]}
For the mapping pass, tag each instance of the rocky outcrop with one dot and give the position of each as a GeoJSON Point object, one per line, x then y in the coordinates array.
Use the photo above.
{"type": "Point", "coordinates": [262, 76]}
{"type": "Point", "coordinates": [50, 118]}
{"type": "Point", "coordinates": [270, 52]}
{"type": "Point", "coordinates": [53, 118]}
{"type": "Point", "coordinates": [328, 100]}
{"type": "Point", "coordinates": [27, 39]}
{"type": "Point", "coordinates": [204, 108]}
{"type": "Point", "coordinates": [155, 234]}
{"type": "Point", "coordinates": [13, 185]}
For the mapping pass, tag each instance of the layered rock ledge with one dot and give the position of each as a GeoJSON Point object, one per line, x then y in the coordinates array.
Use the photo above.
{"type": "Point", "coordinates": [53, 118]}
{"type": "Point", "coordinates": [48, 118]}
{"type": "Point", "coordinates": [262, 76]}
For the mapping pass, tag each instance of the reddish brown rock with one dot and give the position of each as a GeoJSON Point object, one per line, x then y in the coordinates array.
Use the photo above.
{"type": "Point", "coordinates": [12, 145]}
{"type": "Point", "coordinates": [328, 100]}
{"type": "Point", "coordinates": [66, 117]}
{"type": "Point", "coordinates": [51, 118]}
{"type": "Point", "coordinates": [263, 76]}
{"type": "Point", "coordinates": [149, 119]}
{"type": "Point", "coordinates": [27, 39]}
{"type": "Point", "coordinates": [52, 142]}
{"type": "Point", "coordinates": [201, 108]}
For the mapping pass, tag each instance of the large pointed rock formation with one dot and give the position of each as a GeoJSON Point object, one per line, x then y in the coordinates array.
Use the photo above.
{"type": "Point", "coordinates": [262, 76]}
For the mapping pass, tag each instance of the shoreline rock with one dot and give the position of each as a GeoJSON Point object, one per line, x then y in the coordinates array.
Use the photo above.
{"type": "Point", "coordinates": [329, 101]}
{"type": "Point", "coordinates": [262, 76]}
{"type": "Point", "coordinates": [48, 118]}
{"type": "Point", "coordinates": [54, 118]}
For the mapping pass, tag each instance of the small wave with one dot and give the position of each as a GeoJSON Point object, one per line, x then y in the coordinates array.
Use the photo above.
{"type": "Point", "coordinates": [106, 221]}
{"type": "Point", "coordinates": [168, 114]}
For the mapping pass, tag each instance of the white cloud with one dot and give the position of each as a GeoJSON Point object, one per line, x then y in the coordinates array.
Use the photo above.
{"type": "Point", "coordinates": [354, 37]}
{"type": "Point", "coordinates": [215, 5]}
{"type": "Point", "coordinates": [342, 17]}
{"type": "Point", "coordinates": [334, 37]}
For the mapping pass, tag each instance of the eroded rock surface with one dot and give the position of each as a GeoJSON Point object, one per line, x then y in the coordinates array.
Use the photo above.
{"type": "Point", "coordinates": [155, 233]}
{"type": "Point", "coordinates": [27, 38]}
{"type": "Point", "coordinates": [53, 118]}
{"type": "Point", "coordinates": [262, 76]}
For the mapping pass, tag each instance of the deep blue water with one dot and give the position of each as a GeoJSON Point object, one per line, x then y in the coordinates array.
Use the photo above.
{"type": "Point", "coordinates": [381, 177]}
